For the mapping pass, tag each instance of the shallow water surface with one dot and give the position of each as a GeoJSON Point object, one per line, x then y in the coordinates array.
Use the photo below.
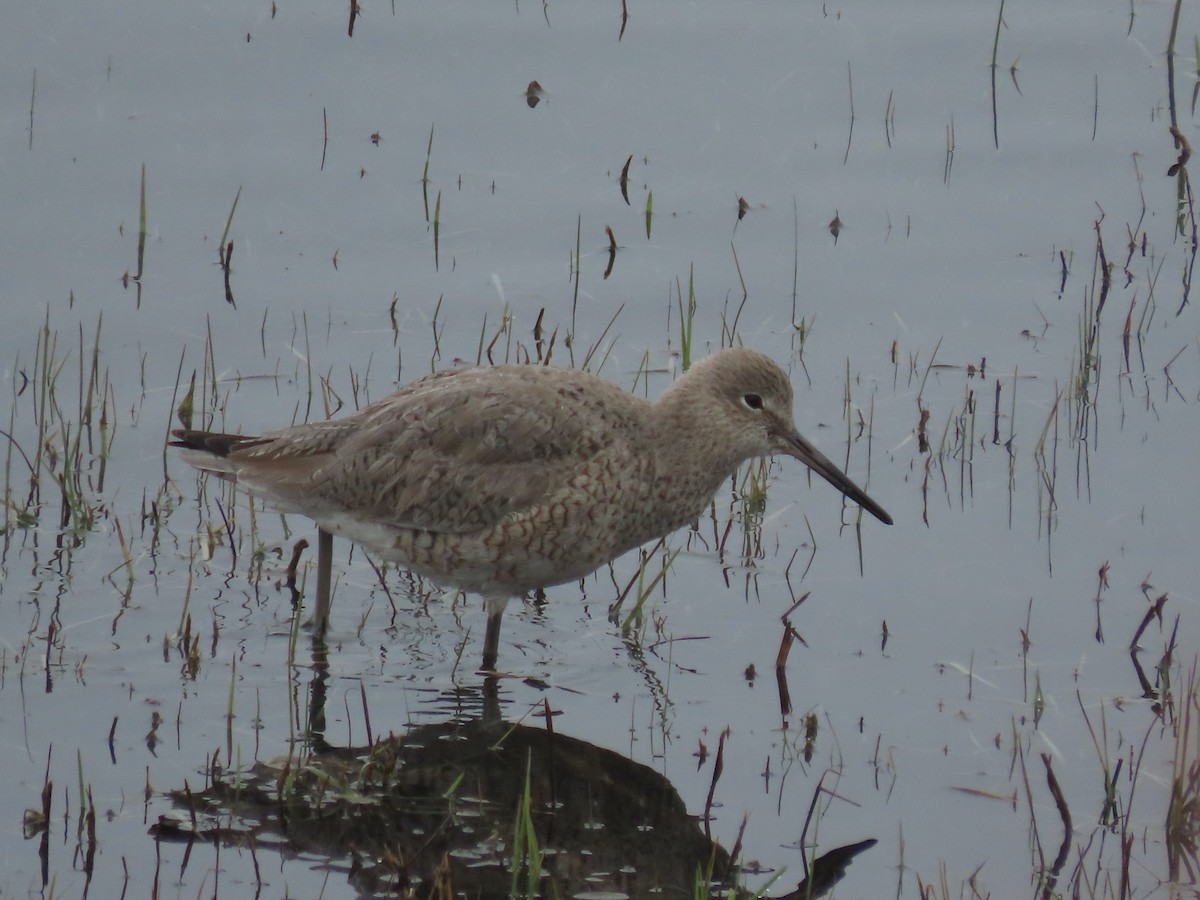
{"type": "Point", "coordinates": [1000, 342]}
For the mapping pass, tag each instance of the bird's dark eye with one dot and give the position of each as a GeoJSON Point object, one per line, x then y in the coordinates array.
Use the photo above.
{"type": "Point", "coordinates": [753, 401]}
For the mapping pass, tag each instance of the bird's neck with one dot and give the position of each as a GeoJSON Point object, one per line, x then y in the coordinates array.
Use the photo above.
{"type": "Point", "coordinates": [691, 456]}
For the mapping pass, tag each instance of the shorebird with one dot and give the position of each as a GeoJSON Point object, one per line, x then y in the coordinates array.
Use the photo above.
{"type": "Point", "coordinates": [504, 479]}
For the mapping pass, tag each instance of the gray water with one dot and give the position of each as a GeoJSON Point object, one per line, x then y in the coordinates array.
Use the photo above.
{"type": "Point", "coordinates": [1053, 450]}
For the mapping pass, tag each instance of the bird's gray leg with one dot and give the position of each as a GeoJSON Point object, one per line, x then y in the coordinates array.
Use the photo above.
{"type": "Point", "coordinates": [494, 603]}
{"type": "Point", "coordinates": [324, 580]}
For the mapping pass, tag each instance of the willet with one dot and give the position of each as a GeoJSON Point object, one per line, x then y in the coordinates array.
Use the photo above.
{"type": "Point", "coordinates": [501, 480]}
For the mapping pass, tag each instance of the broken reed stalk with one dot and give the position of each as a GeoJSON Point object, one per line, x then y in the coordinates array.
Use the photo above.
{"type": "Point", "coordinates": [324, 136]}
{"type": "Point", "coordinates": [225, 250]}
{"type": "Point", "coordinates": [141, 248]}
{"type": "Point", "coordinates": [362, 691]}
{"type": "Point", "coordinates": [1064, 813]}
{"type": "Point", "coordinates": [995, 54]}
{"type": "Point", "coordinates": [32, 98]}
{"type": "Point", "coordinates": [781, 682]}
{"type": "Point", "coordinates": [425, 172]}
{"type": "Point", "coordinates": [718, 768]}
{"type": "Point", "coordinates": [437, 227]}
{"type": "Point", "coordinates": [228, 225]}
{"type": "Point", "coordinates": [795, 258]}
{"type": "Point", "coordinates": [575, 291]}
{"type": "Point", "coordinates": [850, 135]}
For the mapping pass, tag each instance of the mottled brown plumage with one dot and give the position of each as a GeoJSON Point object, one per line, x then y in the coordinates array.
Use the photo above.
{"type": "Point", "coordinates": [505, 479]}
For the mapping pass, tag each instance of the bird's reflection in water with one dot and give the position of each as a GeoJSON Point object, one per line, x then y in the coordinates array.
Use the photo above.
{"type": "Point", "coordinates": [462, 807]}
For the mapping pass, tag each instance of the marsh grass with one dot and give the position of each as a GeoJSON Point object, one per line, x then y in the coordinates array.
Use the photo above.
{"type": "Point", "coordinates": [142, 232]}
{"type": "Point", "coordinates": [32, 106]}
{"type": "Point", "coordinates": [994, 66]}
{"type": "Point", "coordinates": [225, 249]}
{"type": "Point", "coordinates": [729, 326]}
{"type": "Point", "coordinates": [425, 172]}
{"type": "Point", "coordinates": [951, 148]}
{"type": "Point", "coordinates": [1086, 366]}
{"type": "Point", "coordinates": [1098, 852]}
{"type": "Point", "coordinates": [642, 584]}
{"type": "Point", "coordinates": [71, 475]}
{"type": "Point", "coordinates": [1045, 456]}
{"type": "Point", "coordinates": [687, 318]}
{"type": "Point", "coordinates": [437, 231]}
{"type": "Point", "coordinates": [527, 854]}
{"type": "Point", "coordinates": [1183, 811]}
{"type": "Point", "coordinates": [69, 406]}
{"type": "Point", "coordinates": [576, 265]}
{"type": "Point", "coordinates": [71, 440]}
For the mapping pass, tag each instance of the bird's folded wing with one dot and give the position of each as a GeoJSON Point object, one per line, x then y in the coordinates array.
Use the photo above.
{"type": "Point", "coordinates": [458, 453]}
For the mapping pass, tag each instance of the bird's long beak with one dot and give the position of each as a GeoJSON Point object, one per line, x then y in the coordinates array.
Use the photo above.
{"type": "Point", "coordinates": [794, 445]}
